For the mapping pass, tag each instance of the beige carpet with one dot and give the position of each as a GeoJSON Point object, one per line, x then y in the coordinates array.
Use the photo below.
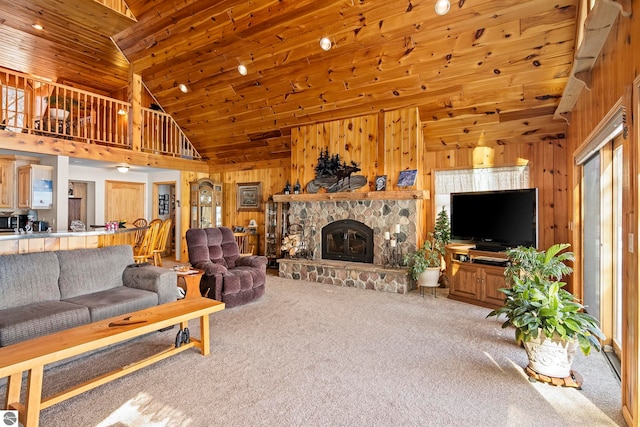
{"type": "Point", "coordinates": [309, 354]}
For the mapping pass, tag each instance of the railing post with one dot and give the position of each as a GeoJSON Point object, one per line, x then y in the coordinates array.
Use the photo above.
{"type": "Point", "coordinates": [135, 115]}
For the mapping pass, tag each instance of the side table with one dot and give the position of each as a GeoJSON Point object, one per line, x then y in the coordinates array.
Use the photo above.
{"type": "Point", "coordinates": [190, 282]}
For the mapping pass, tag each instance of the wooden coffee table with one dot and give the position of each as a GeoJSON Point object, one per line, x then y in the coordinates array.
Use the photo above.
{"type": "Point", "coordinates": [31, 356]}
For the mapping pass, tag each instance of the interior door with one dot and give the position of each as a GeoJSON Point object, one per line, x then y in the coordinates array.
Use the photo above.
{"type": "Point", "coordinates": [124, 201]}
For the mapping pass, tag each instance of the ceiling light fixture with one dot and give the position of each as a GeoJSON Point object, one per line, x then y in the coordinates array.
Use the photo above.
{"type": "Point", "coordinates": [122, 112]}
{"type": "Point", "coordinates": [325, 44]}
{"type": "Point", "coordinates": [442, 7]}
{"type": "Point", "coordinates": [37, 27]}
{"type": "Point", "coordinates": [123, 169]}
{"type": "Point", "coordinates": [242, 69]}
{"type": "Point", "coordinates": [183, 88]}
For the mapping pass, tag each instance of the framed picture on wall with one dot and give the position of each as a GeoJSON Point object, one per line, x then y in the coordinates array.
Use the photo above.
{"type": "Point", "coordinates": [249, 196]}
{"type": "Point", "coordinates": [407, 178]}
{"type": "Point", "coordinates": [381, 183]}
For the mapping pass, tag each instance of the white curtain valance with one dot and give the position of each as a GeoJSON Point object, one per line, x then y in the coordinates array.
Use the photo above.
{"type": "Point", "coordinates": [481, 179]}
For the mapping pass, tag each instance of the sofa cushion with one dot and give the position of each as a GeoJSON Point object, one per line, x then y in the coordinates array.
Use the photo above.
{"type": "Point", "coordinates": [115, 301]}
{"type": "Point", "coordinates": [28, 279]}
{"type": "Point", "coordinates": [33, 320]}
{"type": "Point", "coordinates": [85, 271]}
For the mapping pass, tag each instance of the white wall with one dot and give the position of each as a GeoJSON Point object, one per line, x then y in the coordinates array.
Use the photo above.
{"type": "Point", "coordinates": [96, 177]}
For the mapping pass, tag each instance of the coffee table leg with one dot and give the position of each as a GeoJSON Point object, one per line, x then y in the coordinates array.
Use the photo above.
{"type": "Point", "coordinates": [14, 385]}
{"type": "Point", "coordinates": [204, 334]}
{"type": "Point", "coordinates": [34, 396]}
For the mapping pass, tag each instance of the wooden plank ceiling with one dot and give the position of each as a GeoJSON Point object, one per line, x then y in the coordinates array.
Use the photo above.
{"type": "Point", "coordinates": [490, 72]}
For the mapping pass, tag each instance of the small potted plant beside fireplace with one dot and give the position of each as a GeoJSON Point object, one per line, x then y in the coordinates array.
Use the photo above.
{"type": "Point", "coordinates": [424, 264]}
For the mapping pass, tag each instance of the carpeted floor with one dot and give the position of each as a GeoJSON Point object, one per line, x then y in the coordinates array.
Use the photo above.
{"type": "Point", "coordinates": [308, 354]}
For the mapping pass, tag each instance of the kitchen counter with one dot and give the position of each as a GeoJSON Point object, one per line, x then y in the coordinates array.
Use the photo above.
{"type": "Point", "coordinates": [12, 235]}
{"type": "Point", "coordinates": [41, 241]}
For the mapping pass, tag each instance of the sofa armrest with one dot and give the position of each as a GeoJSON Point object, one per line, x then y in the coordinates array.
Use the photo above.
{"type": "Point", "coordinates": [211, 284]}
{"type": "Point", "coordinates": [211, 268]}
{"type": "Point", "coordinates": [257, 261]}
{"type": "Point", "coordinates": [152, 279]}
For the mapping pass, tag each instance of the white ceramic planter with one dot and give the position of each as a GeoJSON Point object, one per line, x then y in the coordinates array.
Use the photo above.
{"type": "Point", "coordinates": [58, 113]}
{"type": "Point", "coordinates": [429, 277]}
{"type": "Point", "coordinates": [551, 356]}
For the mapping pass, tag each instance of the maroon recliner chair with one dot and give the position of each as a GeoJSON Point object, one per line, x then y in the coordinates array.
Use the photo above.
{"type": "Point", "coordinates": [228, 277]}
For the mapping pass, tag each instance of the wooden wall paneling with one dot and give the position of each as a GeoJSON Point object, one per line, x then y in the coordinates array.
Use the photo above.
{"type": "Point", "coordinates": [401, 145]}
{"type": "Point", "coordinates": [631, 260]}
{"type": "Point", "coordinates": [272, 180]}
{"type": "Point", "coordinates": [390, 152]}
{"type": "Point", "coordinates": [561, 201]}
{"type": "Point", "coordinates": [545, 195]}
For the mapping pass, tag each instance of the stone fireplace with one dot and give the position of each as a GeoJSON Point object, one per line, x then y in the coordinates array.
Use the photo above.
{"type": "Point", "coordinates": [379, 212]}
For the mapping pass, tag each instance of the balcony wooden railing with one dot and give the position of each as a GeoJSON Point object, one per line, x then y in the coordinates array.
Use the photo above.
{"type": "Point", "coordinates": [119, 6]}
{"type": "Point", "coordinates": [161, 135]}
{"type": "Point", "coordinates": [35, 106]}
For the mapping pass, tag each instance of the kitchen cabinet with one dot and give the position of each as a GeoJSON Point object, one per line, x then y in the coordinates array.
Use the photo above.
{"type": "Point", "coordinates": [476, 277]}
{"type": "Point", "coordinates": [6, 183]}
{"type": "Point", "coordinates": [35, 187]}
{"type": "Point", "coordinates": [206, 203]}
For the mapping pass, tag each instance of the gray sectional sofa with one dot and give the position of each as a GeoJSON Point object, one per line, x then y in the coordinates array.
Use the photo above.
{"type": "Point", "coordinates": [45, 292]}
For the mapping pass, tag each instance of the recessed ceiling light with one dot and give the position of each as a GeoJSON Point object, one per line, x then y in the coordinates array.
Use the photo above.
{"type": "Point", "coordinates": [183, 88]}
{"type": "Point", "coordinates": [325, 43]}
{"type": "Point", "coordinates": [37, 26]}
{"type": "Point", "coordinates": [242, 69]}
{"type": "Point", "coordinates": [442, 7]}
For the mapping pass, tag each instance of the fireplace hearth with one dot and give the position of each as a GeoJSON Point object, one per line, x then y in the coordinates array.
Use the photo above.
{"type": "Point", "coordinates": [347, 240]}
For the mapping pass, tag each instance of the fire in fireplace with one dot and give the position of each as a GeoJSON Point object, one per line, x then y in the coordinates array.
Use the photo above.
{"type": "Point", "coordinates": [347, 240]}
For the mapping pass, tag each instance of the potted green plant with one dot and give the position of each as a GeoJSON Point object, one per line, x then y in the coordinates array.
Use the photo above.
{"type": "Point", "coordinates": [548, 320]}
{"type": "Point", "coordinates": [424, 264]}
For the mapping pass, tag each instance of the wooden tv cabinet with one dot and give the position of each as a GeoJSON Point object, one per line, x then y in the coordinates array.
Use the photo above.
{"type": "Point", "coordinates": [473, 276]}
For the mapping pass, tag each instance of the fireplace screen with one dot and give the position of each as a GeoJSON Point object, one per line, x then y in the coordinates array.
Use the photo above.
{"type": "Point", "coordinates": [347, 240]}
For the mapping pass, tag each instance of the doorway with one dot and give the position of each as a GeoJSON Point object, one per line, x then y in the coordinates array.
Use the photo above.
{"type": "Point", "coordinates": [602, 239]}
{"type": "Point", "coordinates": [81, 202]}
{"type": "Point", "coordinates": [164, 207]}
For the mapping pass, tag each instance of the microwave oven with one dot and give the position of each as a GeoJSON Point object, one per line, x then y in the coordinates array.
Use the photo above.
{"type": "Point", "coordinates": [10, 223]}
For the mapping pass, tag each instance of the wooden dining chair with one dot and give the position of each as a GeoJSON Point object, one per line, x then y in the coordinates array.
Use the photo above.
{"type": "Point", "coordinates": [242, 239]}
{"type": "Point", "coordinates": [161, 242]}
{"type": "Point", "coordinates": [139, 223]}
{"type": "Point", "coordinates": [144, 252]}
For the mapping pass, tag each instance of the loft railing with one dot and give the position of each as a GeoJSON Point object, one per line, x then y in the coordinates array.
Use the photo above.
{"type": "Point", "coordinates": [161, 135]}
{"type": "Point", "coordinates": [119, 6]}
{"type": "Point", "coordinates": [35, 106]}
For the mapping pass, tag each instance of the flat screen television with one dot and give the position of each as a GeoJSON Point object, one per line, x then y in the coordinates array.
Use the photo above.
{"type": "Point", "coordinates": [495, 220]}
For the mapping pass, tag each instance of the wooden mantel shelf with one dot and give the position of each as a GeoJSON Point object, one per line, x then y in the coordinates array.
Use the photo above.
{"type": "Point", "coordinates": [348, 195]}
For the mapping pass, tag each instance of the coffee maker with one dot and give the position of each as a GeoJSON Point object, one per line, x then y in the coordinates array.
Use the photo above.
{"type": "Point", "coordinates": [40, 226]}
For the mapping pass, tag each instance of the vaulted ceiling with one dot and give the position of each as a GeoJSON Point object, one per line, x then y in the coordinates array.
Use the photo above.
{"type": "Point", "coordinates": [490, 72]}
